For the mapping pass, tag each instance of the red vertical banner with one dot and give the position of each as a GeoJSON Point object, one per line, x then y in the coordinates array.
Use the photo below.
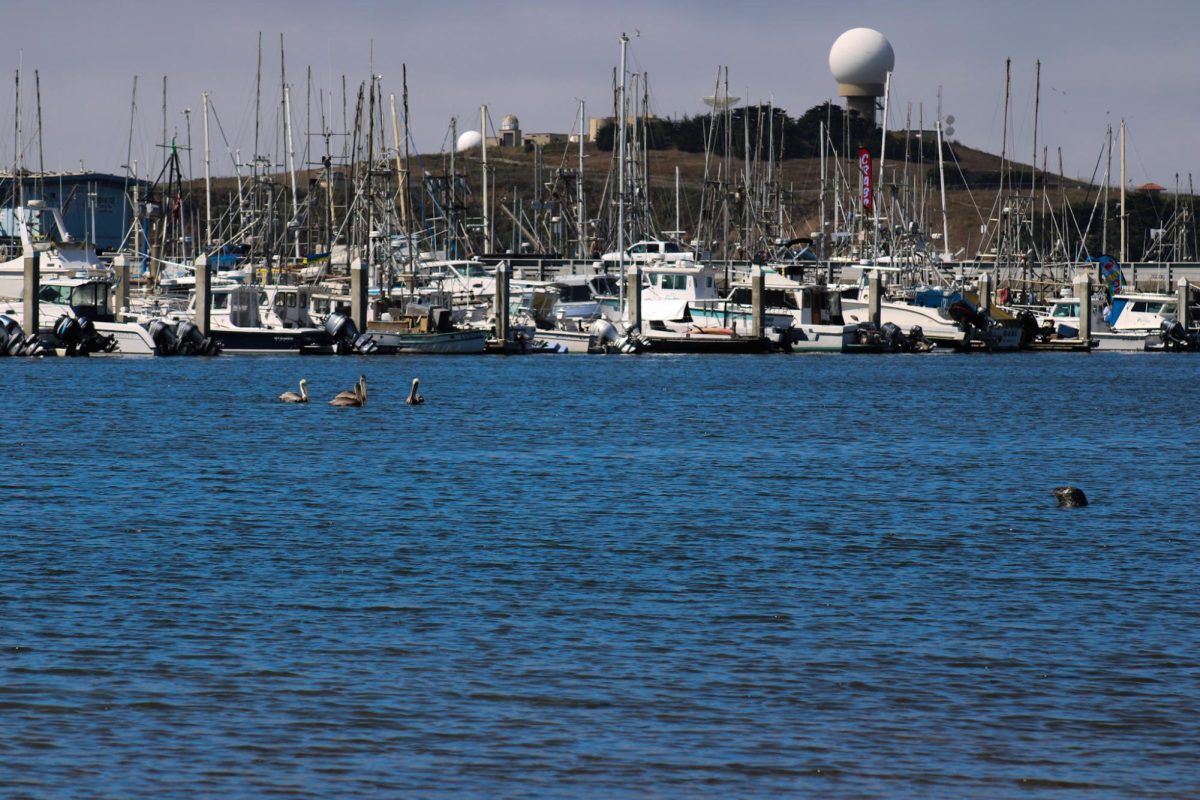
{"type": "Point", "coordinates": [868, 187]}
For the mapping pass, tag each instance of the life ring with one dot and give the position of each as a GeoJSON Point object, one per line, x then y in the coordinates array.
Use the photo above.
{"type": "Point", "coordinates": [1003, 296]}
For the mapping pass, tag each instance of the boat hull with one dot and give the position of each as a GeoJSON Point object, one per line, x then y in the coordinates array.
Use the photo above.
{"type": "Point", "coordinates": [273, 340]}
{"type": "Point", "coordinates": [439, 343]}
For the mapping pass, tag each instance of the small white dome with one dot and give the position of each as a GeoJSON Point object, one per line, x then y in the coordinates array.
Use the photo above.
{"type": "Point", "coordinates": [861, 55]}
{"type": "Point", "coordinates": [468, 140]}
{"type": "Point", "coordinates": [510, 123]}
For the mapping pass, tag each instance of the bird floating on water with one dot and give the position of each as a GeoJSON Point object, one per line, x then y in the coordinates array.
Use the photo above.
{"type": "Point", "coordinates": [357, 397]}
{"type": "Point", "coordinates": [360, 387]}
{"type": "Point", "coordinates": [414, 399]}
{"type": "Point", "coordinates": [293, 397]}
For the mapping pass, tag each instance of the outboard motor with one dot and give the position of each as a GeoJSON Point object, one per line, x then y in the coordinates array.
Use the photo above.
{"type": "Point", "coordinates": [866, 333]}
{"type": "Point", "coordinates": [364, 344]}
{"type": "Point", "coordinates": [11, 336]}
{"type": "Point", "coordinates": [893, 338]}
{"type": "Point", "coordinates": [163, 337]}
{"type": "Point", "coordinates": [602, 334]}
{"type": "Point", "coordinates": [964, 314]}
{"type": "Point", "coordinates": [1174, 336]}
{"type": "Point", "coordinates": [188, 337]}
{"type": "Point", "coordinates": [343, 331]}
{"type": "Point", "coordinates": [69, 334]}
{"type": "Point", "coordinates": [917, 342]}
{"type": "Point", "coordinates": [341, 327]}
{"type": "Point", "coordinates": [1030, 330]}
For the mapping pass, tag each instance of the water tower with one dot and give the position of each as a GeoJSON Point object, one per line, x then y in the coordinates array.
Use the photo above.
{"type": "Point", "coordinates": [860, 60]}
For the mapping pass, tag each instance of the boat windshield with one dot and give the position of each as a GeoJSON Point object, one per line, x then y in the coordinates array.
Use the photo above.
{"type": "Point", "coordinates": [605, 284]}
{"type": "Point", "coordinates": [90, 294]}
{"type": "Point", "coordinates": [1065, 310]}
{"type": "Point", "coordinates": [55, 294]}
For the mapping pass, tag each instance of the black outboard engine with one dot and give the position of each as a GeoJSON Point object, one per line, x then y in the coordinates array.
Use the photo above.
{"type": "Point", "coordinates": [917, 341]}
{"type": "Point", "coordinates": [893, 338]}
{"type": "Point", "coordinates": [164, 337]}
{"type": "Point", "coordinates": [1030, 330]}
{"type": "Point", "coordinates": [12, 338]}
{"type": "Point", "coordinates": [192, 342]}
{"type": "Point", "coordinates": [964, 314]}
{"type": "Point", "coordinates": [867, 333]}
{"type": "Point", "coordinates": [70, 335]}
{"type": "Point", "coordinates": [343, 331]}
{"type": "Point", "coordinates": [1174, 336]}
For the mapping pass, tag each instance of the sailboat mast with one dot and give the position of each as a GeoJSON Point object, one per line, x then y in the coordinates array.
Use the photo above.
{"type": "Point", "coordinates": [887, 90]}
{"type": "Point", "coordinates": [580, 216]}
{"type": "Point", "coordinates": [17, 160]}
{"type": "Point", "coordinates": [1124, 220]}
{"type": "Point", "coordinates": [407, 207]}
{"type": "Point", "coordinates": [942, 182]}
{"type": "Point", "coordinates": [487, 217]}
{"type": "Point", "coordinates": [207, 181]}
{"type": "Point", "coordinates": [621, 117]}
{"type": "Point", "coordinates": [453, 236]}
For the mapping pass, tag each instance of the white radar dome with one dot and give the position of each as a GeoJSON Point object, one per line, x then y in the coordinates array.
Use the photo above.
{"type": "Point", "coordinates": [861, 56]}
{"type": "Point", "coordinates": [468, 140]}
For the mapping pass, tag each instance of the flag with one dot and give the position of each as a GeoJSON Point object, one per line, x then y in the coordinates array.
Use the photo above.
{"type": "Point", "coordinates": [868, 190]}
{"type": "Point", "coordinates": [1110, 274]}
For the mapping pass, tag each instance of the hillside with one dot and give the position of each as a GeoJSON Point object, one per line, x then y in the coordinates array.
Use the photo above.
{"type": "Point", "coordinates": [972, 187]}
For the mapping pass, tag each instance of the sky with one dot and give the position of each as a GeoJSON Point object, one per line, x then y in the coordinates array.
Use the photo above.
{"type": "Point", "coordinates": [1101, 62]}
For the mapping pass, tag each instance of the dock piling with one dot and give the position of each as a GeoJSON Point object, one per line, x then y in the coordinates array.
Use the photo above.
{"type": "Point", "coordinates": [633, 298]}
{"type": "Point", "coordinates": [875, 298]}
{"type": "Point", "coordinates": [358, 294]}
{"type": "Point", "coordinates": [33, 285]}
{"type": "Point", "coordinates": [985, 292]}
{"type": "Point", "coordinates": [1082, 284]}
{"type": "Point", "coordinates": [502, 302]}
{"type": "Point", "coordinates": [1183, 311]}
{"type": "Point", "coordinates": [203, 295]}
{"type": "Point", "coordinates": [758, 283]}
{"type": "Point", "coordinates": [120, 297]}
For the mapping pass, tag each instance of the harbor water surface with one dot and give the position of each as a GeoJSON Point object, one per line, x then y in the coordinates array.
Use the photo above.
{"type": "Point", "coordinates": [602, 577]}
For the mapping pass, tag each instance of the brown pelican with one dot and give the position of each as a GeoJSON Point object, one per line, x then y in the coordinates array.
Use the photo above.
{"type": "Point", "coordinates": [414, 399]}
{"type": "Point", "coordinates": [359, 398]}
{"type": "Point", "coordinates": [359, 391]}
{"type": "Point", "coordinates": [292, 397]}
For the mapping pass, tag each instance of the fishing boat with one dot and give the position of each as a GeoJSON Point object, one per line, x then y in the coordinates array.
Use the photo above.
{"type": "Point", "coordinates": [37, 229]}
{"type": "Point", "coordinates": [79, 299]}
{"type": "Point", "coordinates": [809, 314]}
{"type": "Point", "coordinates": [1133, 321]}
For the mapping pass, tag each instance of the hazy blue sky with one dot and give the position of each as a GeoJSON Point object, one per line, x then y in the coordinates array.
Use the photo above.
{"type": "Point", "coordinates": [1101, 61]}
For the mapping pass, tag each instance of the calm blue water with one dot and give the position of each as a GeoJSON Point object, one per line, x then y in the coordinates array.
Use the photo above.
{"type": "Point", "coordinates": [601, 577]}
